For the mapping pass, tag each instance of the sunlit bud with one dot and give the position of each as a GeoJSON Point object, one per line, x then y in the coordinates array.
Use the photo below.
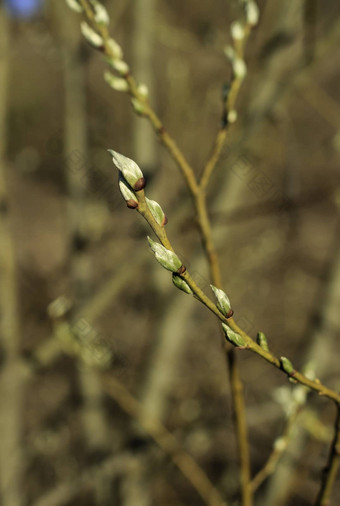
{"type": "Point", "coordinates": [74, 5]}
{"type": "Point", "coordinates": [286, 365]}
{"type": "Point", "coordinates": [157, 212]}
{"type": "Point", "coordinates": [120, 66]}
{"type": "Point", "coordinates": [115, 50]}
{"type": "Point", "coordinates": [181, 284]}
{"type": "Point", "coordinates": [232, 116]}
{"type": "Point", "coordinates": [117, 83]}
{"type": "Point", "coordinates": [167, 258]}
{"type": "Point", "coordinates": [129, 169]}
{"type": "Point", "coordinates": [237, 30]}
{"type": "Point", "coordinates": [239, 68]}
{"type": "Point", "coordinates": [262, 341]}
{"type": "Point", "coordinates": [280, 444]}
{"type": "Point", "coordinates": [223, 302]}
{"type": "Point", "coordinates": [91, 36]}
{"type": "Point", "coordinates": [252, 12]}
{"type": "Point", "coordinates": [128, 195]}
{"type": "Point", "coordinates": [100, 13]}
{"type": "Point", "coordinates": [233, 337]}
{"type": "Point", "coordinates": [143, 90]}
{"type": "Point", "coordinates": [138, 107]}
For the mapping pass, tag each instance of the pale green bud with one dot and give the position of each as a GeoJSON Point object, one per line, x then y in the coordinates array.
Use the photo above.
{"type": "Point", "coordinates": [239, 68]}
{"type": "Point", "coordinates": [237, 30]}
{"type": "Point", "coordinates": [100, 13]}
{"type": "Point", "coordinates": [117, 83]}
{"type": "Point", "coordinates": [181, 284]}
{"type": "Point", "coordinates": [286, 365]}
{"type": "Point", "coordinates": [167, 258]}
{"type": "Point", "coordinates": [157, 212]}
{"type": "Point", "coordinates": [128, 195]}
{"type": "Point", "coordinates": [90, 35]}
{"type": "Point", "coordinates": [232, 116]}
{"type": "Point", "coordinates": [119, 66]}
{"type": "Point", "coordinates": [137, 105]}
{"type": "Point", "coordinates": [252, 12]}
{"type": "Point", "coordinates": [116, 51]}
{"type": "Point", "coordinates": [143, 90]}
{"type": "Point", "coordinates": [74, 5]}
{"type": "Point", "coordinates": [223, 302]}
{"type": "Point", "coordinates": [129, 169]}
{"type": "Point", "coordinates": [280, 444]}
{"type": "Point", "coordinates": [233, 337]}
{"type": "Point", "coordinates": [262, 341]}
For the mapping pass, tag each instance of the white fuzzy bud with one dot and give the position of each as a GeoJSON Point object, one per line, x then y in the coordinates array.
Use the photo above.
{"type": "Point", "coordinates": [181, 284]}
{"type": "Point", "coordinates": [156, 211]}
{"type": "Point", "coordinates": [143, 90]}
{"type": "Point", "coordinates": [280, 444]}
{"type": "Point", "coordinates": [223, 302]}
{"type": "Point", "coordinates": [237, 31]}
{"type": "Point", "coordinates": [239, 68]}
{"type": "Point", "coordinates": [233, 337]}
{"type": "Point", "coordinates": [125, 190]}
{"type": "Point", "coordinates": [74, 5]}
{"type": "Point", "coordinates": [167, 258]}
{"type": "Point", "coordinates": [137, 105]}
{"type": "Point", "coordinates": [100, 13]}
{"type": "Point", "coordinates": [129, 169]}
{"type": "Point", "coordinates": [120, 66]}
{"type": "Point", "coordinates": [252, 12]}
{"type": "Point", "coordinates": [90, 35]}
{"type": "Point", "coordinates": [116, 51]}
{"type": "Point", "coordinates": [232, 116]}
{"type": "Point", "coordinates": [117, 83]}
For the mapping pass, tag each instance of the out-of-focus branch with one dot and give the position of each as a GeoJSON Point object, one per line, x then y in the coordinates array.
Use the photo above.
{"type": "Point", "coordinates": [11, 385]}
{"type": "Point", "coordinates": [331, 469]}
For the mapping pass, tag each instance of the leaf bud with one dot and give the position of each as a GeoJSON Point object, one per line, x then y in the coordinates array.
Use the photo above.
{"type": "Point", "coordinates": [233, 337]}
{"type": "Point", "coordinates": [129, 169]}
{"type": "Point", "coordinates": [223, 302]}
{"type": "Point", "coordinates": [156, 211]}
{"type": "Point", "coordinates": [262, 341]}
{"type": "Point", "coordinates": [167, 258]}
{"type": "Point", "coordinates": [91, 36]}
{"type": "Point", "coordinates": [181, 284]}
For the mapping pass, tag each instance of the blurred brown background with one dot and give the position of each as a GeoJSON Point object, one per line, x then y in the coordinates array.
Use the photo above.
{"type": "Point", "coordinates": [275, 199]}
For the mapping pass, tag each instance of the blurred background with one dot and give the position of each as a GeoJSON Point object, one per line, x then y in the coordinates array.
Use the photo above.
{"type": "Point", "coordinates": [80, 291]}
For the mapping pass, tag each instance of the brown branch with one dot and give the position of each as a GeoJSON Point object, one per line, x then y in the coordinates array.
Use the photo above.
{"type": "Point", "coordinates": [331, 469]}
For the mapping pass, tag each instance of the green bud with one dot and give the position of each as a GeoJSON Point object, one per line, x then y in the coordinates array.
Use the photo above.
{"type": "Point", "coordinates": [138, 106]}
{"type": "Point", "coordinates": [143, 90]}
{"type": "Point", "coordinates": [223, 302]}
{"type": "Point", "coordinates": [116, 51]}
{"type": "Point", "coordinates": [286, 365]}
{"type": "Point", "coordinates": [74, 5]}
{"type": "Point", "coordinates": [262, 341]}
{"type": "Point", "coordinates": [100, 13]}
{"type": "Point", "coordinates": [117, 83]}
{"type": "Point", "coordinates": [156, 211]}
{"type": "Point", "coordinates": [167, 258]}
{"type": "Point", "coordinates": [233, 337]}
{"type": "Point", "coordinates": [181, 284]}
{"type": "Point", "coordinates": [91, 36]}
{"type": "Point", "coordinates": [119, 66]}
{"type": "Point", "coordinates": [237, 30]}
{"type": "Point", "coordinates": [252, 12]}
{"type": "Point", "coordinates": [128, 195]}
{"type": "Point", "coordinates": [129, 169]}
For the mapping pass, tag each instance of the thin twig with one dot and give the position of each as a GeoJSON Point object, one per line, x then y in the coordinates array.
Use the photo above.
{"type": "Point", "coordinates": [165, 440]}
{"type": "Point", "coordinates": [331, 469]}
